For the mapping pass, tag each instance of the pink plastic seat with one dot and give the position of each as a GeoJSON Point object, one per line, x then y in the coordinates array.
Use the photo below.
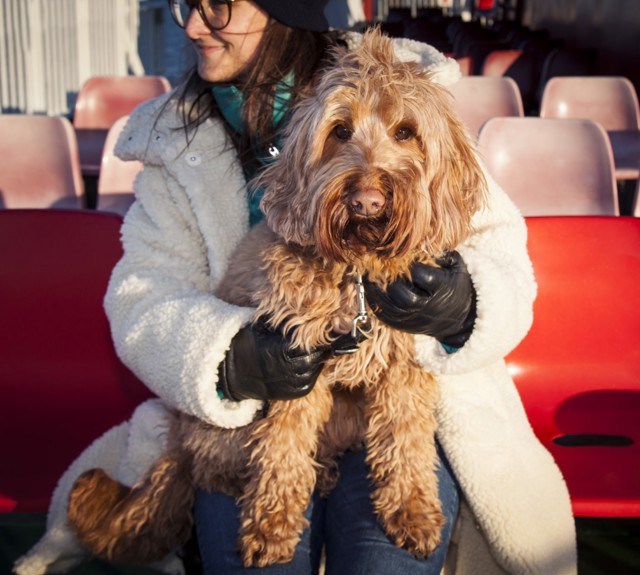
{"type": "Point", "coordinates": [635, 208]}
{"type": "Point", "coordinates": [62, 383]}
{"type": "Point", "coordinates": [577, 369]}
{"type": "Point", "coordinates": [101, 101]}
{"type": "Point", "coordinates": [566, 61]}
{"type": "Point", "coordinates": [478, 98]}
{"type": "Point", "coordinates": [40, 164]}
{"type": "Point", "coordinates": [115, 183]}
{"type": "Point", "coordinates": [520, 65]}
{"type": "Point", "coordinates": [104, 99]}
{"type": "Point", "coordinates": [551, 167]}
{"type": "Point", "coordinates": [609, 100]}
{"type": "Point", "coordinates": [465, 63]}
{"type": "Point", "coordinates": [498, 62]}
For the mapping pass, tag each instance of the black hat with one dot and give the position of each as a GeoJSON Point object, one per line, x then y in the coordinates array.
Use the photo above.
{"type": "Point", "coordinates": [303, 14]}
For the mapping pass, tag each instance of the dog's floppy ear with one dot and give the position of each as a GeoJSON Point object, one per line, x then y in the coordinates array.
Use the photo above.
{"type": "Point", "coordinates": [458, 188]}
{"type": "Point", "coordinates": [289, 198]}
{"type": "Point", "coordinates": [288, 193]}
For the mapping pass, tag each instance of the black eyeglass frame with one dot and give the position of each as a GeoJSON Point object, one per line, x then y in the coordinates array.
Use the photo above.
{"type": "Point", "coordinates": [176, 12]}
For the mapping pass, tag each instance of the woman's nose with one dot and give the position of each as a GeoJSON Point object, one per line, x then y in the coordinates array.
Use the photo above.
{"type": "Point", "coordinates": [195, 26]}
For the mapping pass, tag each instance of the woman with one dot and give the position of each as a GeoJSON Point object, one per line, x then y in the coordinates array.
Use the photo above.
{"type": "Point", "coordinates": [505, 496]}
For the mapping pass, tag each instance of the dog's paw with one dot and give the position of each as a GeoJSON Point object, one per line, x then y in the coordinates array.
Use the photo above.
{"type": "Point", "coordinates": [261, 551]}
{"type": "Point", "coordinates": [419, 534]}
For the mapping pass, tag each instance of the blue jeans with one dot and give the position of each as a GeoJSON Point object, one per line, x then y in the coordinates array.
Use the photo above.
{"type": "Point", "coordinates": [345, 523]}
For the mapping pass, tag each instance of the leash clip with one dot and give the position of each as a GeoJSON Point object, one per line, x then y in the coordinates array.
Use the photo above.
{"type": "Point", "coordinates": [348, 343]}
{"type": "Point", "coordinates": [362, 317]}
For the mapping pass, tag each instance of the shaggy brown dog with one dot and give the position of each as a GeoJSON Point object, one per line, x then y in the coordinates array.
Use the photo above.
{"type": "Point", "coordinates": [376, 173]}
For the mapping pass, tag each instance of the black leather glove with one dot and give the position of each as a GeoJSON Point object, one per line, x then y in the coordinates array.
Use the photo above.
{"type": "Point", "coordinates": [260, 364]}
{"type": "Point", "coordinates": [436, 301]}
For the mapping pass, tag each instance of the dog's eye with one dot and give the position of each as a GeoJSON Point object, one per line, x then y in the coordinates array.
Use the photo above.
{"type": "Point", "coordinates": [342, 132]}
{"type": "Point", "coordinates": [404, 133]}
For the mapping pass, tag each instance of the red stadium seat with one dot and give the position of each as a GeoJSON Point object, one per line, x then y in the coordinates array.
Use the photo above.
{"type": "Point", "coordinates": [577, 369]}
{"type": "Point", "coordinates": [61, 381]}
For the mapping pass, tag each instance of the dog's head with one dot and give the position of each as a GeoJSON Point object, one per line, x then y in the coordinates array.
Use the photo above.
{"type": "Point", "coordinates": [375, 164]}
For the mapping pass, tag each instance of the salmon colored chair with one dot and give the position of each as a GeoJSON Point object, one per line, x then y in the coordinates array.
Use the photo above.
{"type": "Point", "coordinates": [609, 100]}
{"type": "Point", "coordinates": [101, 101]}
{"type": "Point", "coordinates": [115, 183]}
{"type": "Point", "coordinates": [478, 98]}
{"type": "Point", "coordinates": [40, 163]}
{"type": "Point", "coordinates": [551, 167]}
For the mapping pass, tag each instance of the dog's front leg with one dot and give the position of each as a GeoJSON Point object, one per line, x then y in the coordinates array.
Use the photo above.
{"type": "Point", "coordinates": [402, 457]}
{"type": "Point", "coordinates": [281, 477]}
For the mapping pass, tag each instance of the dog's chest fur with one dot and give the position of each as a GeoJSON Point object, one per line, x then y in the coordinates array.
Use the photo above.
{"type": "Point", "coordinates": [298, 290]}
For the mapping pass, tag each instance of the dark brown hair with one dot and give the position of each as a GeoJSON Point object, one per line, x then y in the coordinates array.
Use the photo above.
{"type": "Point", "coordinates": [282, 51]}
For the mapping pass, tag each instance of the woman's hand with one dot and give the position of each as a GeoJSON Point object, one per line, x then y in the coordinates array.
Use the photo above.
{"type": "Point", "coordinates": [436, 301]}
{"type": "Point", "coordinates": [260, 364]}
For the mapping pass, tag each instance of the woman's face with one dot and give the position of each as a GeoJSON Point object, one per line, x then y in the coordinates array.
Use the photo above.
{"type": "Point", "coordinates": [223, 53]}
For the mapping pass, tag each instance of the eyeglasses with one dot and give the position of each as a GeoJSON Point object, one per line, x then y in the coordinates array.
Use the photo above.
{"type": "Point", "coordinates": [216, 14]}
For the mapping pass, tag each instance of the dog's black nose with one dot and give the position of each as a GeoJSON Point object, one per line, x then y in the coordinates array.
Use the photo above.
{"type": "Point", "coordinates": [367, 202]}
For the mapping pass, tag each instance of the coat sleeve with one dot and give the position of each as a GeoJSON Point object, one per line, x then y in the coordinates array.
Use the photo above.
{"type": "Point", "coordinates": [497, 258]}
{"type": "Point", "coordinates": [167, 325]}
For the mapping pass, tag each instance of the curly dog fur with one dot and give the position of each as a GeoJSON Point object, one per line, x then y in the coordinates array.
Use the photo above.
{"type": "Point", "coordinates": [376, 173]}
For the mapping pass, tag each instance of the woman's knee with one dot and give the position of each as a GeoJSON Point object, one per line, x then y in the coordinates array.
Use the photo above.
{"type": "Point", "coordinates": [357, 543]}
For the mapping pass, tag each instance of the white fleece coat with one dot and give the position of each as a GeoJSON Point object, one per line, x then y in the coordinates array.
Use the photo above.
{"type": "Point", "coordinates": [191, 211]}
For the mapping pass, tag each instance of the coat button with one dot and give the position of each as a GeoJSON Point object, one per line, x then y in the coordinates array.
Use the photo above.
{"type": "Point", "coordinates": [194, 159]}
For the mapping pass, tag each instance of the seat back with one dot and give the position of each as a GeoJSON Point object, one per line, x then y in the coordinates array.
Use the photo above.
{"type": "Point", "coordinates": [577, 369]}
{"type": "Point", "coordinates": [498, 62]}
{"type": "Point", "coordinates": [62, 383]}
{"type": "Point", "coordinates": [103, 99]}
{"type": "Point", "coordinates": [465, 63]}
{"type": "Point", "coordinates": [520, 65]}
{"type": "Point", "coordinates": [479, 51]}
{"type": "Point", "coordinates": [40, 163]}
{"type": "Point", "coordinates": [565, 61]}
{"type": "Point", "coordinates": [609, 100]}
{"type": "Point", "coordinates": [478, 98]}
{"type": "Point", "coordinates": [115, 182]}
{"type": "Point", "coordinates": [551, 167]}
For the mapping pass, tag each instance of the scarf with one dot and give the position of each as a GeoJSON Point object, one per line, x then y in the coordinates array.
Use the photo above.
{"type": "Point", "coordinates": [230, 101]}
